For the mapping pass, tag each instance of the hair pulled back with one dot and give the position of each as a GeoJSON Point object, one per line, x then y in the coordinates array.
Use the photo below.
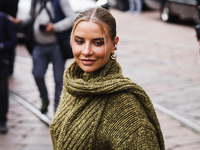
{"type": "Point", "coordinates": [100, 16]}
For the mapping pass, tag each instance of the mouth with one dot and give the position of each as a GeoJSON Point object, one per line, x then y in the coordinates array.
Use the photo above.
{"type": "Point", "coordinates": [88, 62]}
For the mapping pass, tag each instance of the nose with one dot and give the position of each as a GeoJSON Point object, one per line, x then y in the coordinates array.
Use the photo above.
{"type": "Point", "coordinates": [87, 50]}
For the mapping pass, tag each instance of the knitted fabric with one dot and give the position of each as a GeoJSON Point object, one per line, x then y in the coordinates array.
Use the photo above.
{"type": "Point", "coordinates": [104, 110]}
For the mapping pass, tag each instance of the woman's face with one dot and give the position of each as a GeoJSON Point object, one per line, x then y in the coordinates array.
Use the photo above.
{"type": "Point", "coordinates": [89, 49]}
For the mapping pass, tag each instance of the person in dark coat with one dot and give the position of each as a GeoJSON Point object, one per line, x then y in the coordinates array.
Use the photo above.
{"type": "Point", "coordinates": [7, 45]}
{"type": "Point", "coordinates": [10, 7]}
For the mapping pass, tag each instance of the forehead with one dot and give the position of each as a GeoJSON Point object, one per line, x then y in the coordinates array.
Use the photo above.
{"type": "Point", "coordinates": [91, 28]}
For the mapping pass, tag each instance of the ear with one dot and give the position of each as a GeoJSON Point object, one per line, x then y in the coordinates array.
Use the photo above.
{"type": "Point", "coordinates": [115, 42]}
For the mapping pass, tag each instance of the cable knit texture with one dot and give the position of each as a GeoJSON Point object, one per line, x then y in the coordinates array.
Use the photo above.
{"type": "Point", "coordinates": [104, 110]}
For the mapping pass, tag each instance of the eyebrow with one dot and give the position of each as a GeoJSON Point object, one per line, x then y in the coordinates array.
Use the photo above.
{"type": "Point", "coordinates": [78, 37]}
{"type": "Point", "coordinates": [95, 39]}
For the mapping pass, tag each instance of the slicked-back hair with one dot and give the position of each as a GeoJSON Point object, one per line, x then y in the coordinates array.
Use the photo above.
{"type": "Point", "coordinates": [98, 15]}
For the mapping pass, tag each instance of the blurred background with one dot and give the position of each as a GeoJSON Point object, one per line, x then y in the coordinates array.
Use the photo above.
{"type": "Point", "coordinates": [169, 10]}
{"type": "Point", "coordinates": [158, 49]}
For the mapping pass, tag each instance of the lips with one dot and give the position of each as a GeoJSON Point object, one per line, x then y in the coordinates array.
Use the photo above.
{"type": "Point", "coordinates": [88, 62]}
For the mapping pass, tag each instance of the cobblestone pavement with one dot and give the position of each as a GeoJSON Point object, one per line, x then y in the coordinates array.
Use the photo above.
{"type": "Point", "coordinates": [167, 68]}
{"type": "Point", "coordinates": [26, 131]}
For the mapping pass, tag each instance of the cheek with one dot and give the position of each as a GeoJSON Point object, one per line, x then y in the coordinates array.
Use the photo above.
{"type": "Point", "coordinates": [100, 52]}
{"type": "Point", "coordinates": [76, 49]}
{"type": "Point", "coordinates": [109, 51]}
{"type": "Point", "coordinates": [103, 51]}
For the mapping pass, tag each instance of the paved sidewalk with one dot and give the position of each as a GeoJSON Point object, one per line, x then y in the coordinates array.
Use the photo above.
{"type": "Point", "coordinates": [26, 131]}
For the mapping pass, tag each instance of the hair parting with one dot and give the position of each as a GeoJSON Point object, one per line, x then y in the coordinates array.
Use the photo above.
{"type": "Point", "coordinates": [93, 14]}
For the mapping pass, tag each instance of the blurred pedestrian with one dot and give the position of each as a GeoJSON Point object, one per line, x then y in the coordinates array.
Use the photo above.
{"type": "Point", "coordinates": [197, 27]}
{"type": "Point", "coordinates": [99, 107]}
{"type": "Point", "coordinates": [122, 5]}
{"type": "Point", "coordinates": [46, 47]}
{"type": "Point", "coordinates": [10, 7]}
{"type": "Point", "coordinates": [135, 6]}
{"type": "Point", "coordinates": [7, 45]}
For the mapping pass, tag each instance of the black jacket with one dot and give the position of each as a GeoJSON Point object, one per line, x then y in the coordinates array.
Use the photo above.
{"type": "Point", "coordinates": [7, 38]}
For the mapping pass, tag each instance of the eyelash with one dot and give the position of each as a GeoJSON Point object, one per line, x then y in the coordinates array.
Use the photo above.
{"type": "Point", "coordinates": [96, 43]}
{"type": "Point", "coordinates": [79, 42]}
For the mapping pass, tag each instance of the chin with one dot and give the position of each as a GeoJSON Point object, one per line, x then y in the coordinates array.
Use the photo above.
{"type": "Point", "coordinates": [88, 70]}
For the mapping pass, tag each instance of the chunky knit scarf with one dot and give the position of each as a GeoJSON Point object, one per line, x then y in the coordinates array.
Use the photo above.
{"type": "Point", "coordinates": [83, 101]}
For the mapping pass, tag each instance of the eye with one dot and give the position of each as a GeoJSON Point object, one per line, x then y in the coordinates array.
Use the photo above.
{"type": "Point", "coordinates": [98, 43]}
{"type": "Point", "coordinates": [79, 41]}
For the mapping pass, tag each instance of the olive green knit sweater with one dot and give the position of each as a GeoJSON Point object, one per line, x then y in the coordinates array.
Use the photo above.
{"type": "Point", "coordinates": [104, 111]}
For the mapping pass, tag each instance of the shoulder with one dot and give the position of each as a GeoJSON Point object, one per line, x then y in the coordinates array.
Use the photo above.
{"type": "Point", "coordinates": [67, 9]}
{"type": "Point", "coordinates": [126, 101]}
{"type": "Point", "coordinates": [126, 109]}
{"type": "Point", "coordinates": [125, 122]}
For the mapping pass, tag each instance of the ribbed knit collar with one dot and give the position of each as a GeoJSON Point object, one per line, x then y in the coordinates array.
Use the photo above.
{"type": "Point", "coordinates": [106, 80]}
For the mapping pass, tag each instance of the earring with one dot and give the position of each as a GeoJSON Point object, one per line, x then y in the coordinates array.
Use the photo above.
{"type": "Point", "coordinates": [113, 56]}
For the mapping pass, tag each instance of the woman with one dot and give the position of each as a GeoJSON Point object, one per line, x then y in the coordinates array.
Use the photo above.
{"type": "Point", "coordinates": [99, 107]}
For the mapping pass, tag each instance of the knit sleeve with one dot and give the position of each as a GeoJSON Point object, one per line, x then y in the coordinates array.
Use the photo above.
{"type": "Point", "coordinates": [142, 139]}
